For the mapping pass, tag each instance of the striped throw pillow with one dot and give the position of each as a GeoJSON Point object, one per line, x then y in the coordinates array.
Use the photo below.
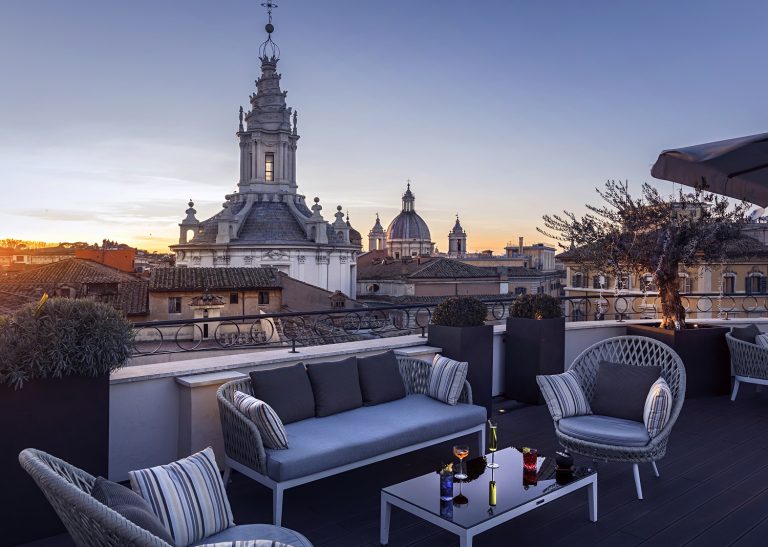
{"type": "Point", "coordinates": [762, 340]}
{"type": "Point", "coordinates": [267, 421]}
{"type": "Point", "coordinates": [187, 495]}
{"type": "Point", "coordinates": [563, 395]}
{"type": "Point", "coordinates": [658, 407]}
{"type": "Point", "coordinates": [446, 379]}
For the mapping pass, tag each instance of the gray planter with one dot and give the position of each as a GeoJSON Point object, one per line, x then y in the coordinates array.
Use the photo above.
{"type": "Point", "coordinates": [475, 346]}
{"type": "Point", "coordinates": [704, 352]}
{"type": "Point", "coordinates": [532, 347]}
{"type": "Point", "coordinates": [66, 417]}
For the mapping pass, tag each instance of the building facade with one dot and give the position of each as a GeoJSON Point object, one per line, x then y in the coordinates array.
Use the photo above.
{"type": "Point", "coordinates": [266, 222]}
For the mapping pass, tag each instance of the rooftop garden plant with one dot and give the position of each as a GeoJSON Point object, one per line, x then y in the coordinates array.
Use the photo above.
{"type": "Point", "coordinates": [536, 306]}
{"type": "Point", "coordinates": [652, 233]}
{"type": "Point", "coordinates": [460, 311]}
{"type": "Point", "coordinates": [62, 337]}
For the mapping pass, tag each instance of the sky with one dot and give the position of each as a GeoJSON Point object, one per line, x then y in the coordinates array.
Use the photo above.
{"type": "Point", "coordinates": [114, 114]}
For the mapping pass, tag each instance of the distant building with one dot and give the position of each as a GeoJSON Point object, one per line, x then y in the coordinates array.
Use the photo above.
{"type": "Point", "coordinates": [384, 278]}
{"type": "Point", "coordinates": [80, 278]}
{"type": "Point", "coordinates": [406, 236]}
{"type": "Point", "coordinates": [457, 241]}
{"type": "Point", "coordinates": [265, 222]}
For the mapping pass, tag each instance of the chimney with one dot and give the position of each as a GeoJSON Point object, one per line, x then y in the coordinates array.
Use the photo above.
{"type": "Point", "coordinates": [520, 245]}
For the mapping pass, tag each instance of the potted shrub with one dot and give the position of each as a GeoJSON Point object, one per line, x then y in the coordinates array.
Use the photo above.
{"type": "Point", "coordinates": [535, 344]}
{"type": "Point", "coordinates": [55, 361]}
{"type": "Point", "coordinates": [458, 327]}
{"type": "Point", "coordinates": [662, 235]}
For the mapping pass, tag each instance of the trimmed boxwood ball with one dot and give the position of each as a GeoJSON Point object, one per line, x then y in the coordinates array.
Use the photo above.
{"type": "Point", "coordinates": [536, 306]}
{"type": "Point", "coordinates": [62, 337]}
{"type": "Point", "coordinates": [460, 311]}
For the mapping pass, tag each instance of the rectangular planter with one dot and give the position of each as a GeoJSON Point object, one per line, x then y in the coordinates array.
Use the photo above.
{"type": "Point", "coordinates": [475, 346]}
{"type": "Point", "coordinates": [66, 417]}
{"type": "Point", "coordinates": [704, 352]}
{"type": "Point", "coordinates": [533, 347]}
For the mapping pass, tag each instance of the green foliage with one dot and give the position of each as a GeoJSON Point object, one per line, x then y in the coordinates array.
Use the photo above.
{"type": "Point", "coordinates": [653, 233]}
{"type": "Point", "coordinates": [460, 311]}
{"type": "Point", "coordinates": [536, 306]}
{"type": "Point", "coordinates": [64, 337]}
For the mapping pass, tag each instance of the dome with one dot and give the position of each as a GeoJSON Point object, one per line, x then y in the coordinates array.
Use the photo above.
{"type": "Point", "coordinates": [408, 225]}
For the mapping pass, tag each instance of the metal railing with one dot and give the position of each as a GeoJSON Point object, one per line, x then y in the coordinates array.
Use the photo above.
{"type": "Point", "coordinates": [311, 328]}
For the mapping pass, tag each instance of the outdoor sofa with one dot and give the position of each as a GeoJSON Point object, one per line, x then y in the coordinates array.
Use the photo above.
{"type": "Point", "coordinates": [323, 446]}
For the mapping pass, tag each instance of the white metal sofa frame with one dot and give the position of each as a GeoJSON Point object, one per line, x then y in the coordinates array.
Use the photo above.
{"type": "Point", "coordinates": [749, 362]}
{"type": "Point", "coordinates": [638, 351]}
{"type": "Point", "coordinates": [244, 450]}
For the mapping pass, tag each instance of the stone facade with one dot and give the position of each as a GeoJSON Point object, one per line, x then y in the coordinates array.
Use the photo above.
{"type": "Point", "coordinates": [265, 222]}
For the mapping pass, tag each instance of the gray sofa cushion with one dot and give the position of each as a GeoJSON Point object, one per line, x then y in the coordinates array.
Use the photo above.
{"type": "Point", "coordinates": [621, 390]}
{"type": "Point", "coordinates": [336, 386]}
{"type": "Point", "coordinates": [605, 430]}
{"type": "Point", "coordinates": [287, 390]}
{"type": "Point", "coordinates": [257, 531]}
{"type": "Point", "coordinates": [380, 379]}
{"type": "Point", "coordinates": [130, 505]}
{"type": "Point", "coordinates": [317, 444]}
{"type": "Point", "coordinates": [747, 334]}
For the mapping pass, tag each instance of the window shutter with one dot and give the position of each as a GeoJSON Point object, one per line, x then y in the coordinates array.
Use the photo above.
{"type": "Point", "coordinates": [763, 284]}
{"type": "Point", "coordinates": [748, 284]}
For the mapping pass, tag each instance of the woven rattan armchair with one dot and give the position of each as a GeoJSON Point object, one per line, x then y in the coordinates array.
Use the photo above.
{"type": "Point", "coordinates": [88, 522]}
{"type": "Point", "coordinates": [637, 351]}
{"type": "Point", "coordinates": [245, 450]}
{"type": "Point", "coordinates": [749, 363]}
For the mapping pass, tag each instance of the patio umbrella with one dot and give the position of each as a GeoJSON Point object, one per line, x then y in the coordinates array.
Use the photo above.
{"type": "Point", "coordinates": [736, 168]}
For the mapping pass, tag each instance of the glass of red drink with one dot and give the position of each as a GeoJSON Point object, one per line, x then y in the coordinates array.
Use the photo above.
{"type": "Point", "coordinates": [530, 455]}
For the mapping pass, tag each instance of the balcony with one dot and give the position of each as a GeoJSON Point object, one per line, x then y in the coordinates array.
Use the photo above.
{"type": "Point", "coordinates": [712, 489]}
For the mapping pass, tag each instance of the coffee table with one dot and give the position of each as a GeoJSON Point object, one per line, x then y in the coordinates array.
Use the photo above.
{"type": "Point", "coordinates": [474, 514]}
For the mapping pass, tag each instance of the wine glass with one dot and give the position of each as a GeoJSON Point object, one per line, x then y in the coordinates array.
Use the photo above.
{"type": "Point", "coordinates": [493, 443]}
{"type": "Point", "coordinates": [461, 451]}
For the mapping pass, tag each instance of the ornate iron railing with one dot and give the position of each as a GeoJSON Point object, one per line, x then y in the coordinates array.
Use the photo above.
{"type": "Point", "coordinates": [294, 329]}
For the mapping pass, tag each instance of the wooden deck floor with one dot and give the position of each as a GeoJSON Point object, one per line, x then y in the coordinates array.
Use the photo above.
{"type": "Point", "coordinates": [713, 490]}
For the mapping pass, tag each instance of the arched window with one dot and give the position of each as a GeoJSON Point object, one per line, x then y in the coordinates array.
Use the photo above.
{"type": "Point", "coordinates": [577, 280]}
{"type": "Point", "coordinates": [646, 282]}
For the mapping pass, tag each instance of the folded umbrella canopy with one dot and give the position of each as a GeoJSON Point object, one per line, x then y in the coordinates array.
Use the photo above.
{"type": "Point", "coordinates": [736, 168]}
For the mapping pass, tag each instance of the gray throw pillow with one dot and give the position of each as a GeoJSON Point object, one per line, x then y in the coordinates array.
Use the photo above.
{"type": "Point", "coordinates": [131, 506]}
{"type": "Point", "coordinates": [747, 334]}
{"type": "Point", "coordinates": [380, 379]}
{"type": "Point", "coordinates": [335, 385]}
{"type": "Point", "coordinates": [621, 390]}
{"type": "Point", "coordinates": [287, 390]}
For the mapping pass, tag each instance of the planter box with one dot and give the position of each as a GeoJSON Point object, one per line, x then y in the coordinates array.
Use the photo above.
{"type": "Point", "coordinates": [533, 347]}
{"type": "Point", "coordinates": [66, 417]}
{"type": "Point", "coordinates": [474, 345]}
{"type": "Point", "coordinates": [704, 352]}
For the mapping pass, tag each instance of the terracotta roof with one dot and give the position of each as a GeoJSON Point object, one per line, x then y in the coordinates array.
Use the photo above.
{"type": "Point", "coordinates": [12, 301]}
{"type": "Point", "coordinates": [71, 270]}
{"type": "Point", "coordinates": [200, 279]}
{"type": "Point", "coordinates": [88, 279]}
{"type": "Point", "coordinates": [425, 268]}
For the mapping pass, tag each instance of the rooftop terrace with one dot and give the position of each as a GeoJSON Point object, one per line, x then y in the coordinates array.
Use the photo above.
{"type": "Point", "coordinates": [713, 488]}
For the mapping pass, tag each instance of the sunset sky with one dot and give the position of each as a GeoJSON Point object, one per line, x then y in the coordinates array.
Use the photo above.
{"type": "Point", "coordinates": [114, 114]}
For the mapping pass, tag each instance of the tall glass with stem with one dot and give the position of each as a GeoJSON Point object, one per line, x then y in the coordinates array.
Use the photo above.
{"type": "Point", "coordinates": [493, 443]}
{"type": "Point", "coordinates": [461, 451]}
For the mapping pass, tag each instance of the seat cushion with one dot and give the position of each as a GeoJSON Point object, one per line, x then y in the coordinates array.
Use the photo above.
{"type": "Point", "coordinates": [621, 390]}
{"type": "Point", "coordinates": [188, 495]}
{"type": "Point", "coordinates": [380, 379]}
{"type": "Point", "coordinates": [335, 385]}
{"type": "Point", "coordinates": [246, 532]}
{"type": "Point", "coordinates": [130, 505]}
{"type": "Point", "coordinates": [317, 444]}
{"type": "Point", "coordinates": [287, 390]}
{"type": "Point", "coordinates": [747, 334]}
{"type": "Point", "coordinates": [605, 430]}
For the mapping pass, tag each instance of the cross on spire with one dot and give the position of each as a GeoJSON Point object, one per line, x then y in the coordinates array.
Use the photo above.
{"type": "Point", "coordinates": [269, 6]}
